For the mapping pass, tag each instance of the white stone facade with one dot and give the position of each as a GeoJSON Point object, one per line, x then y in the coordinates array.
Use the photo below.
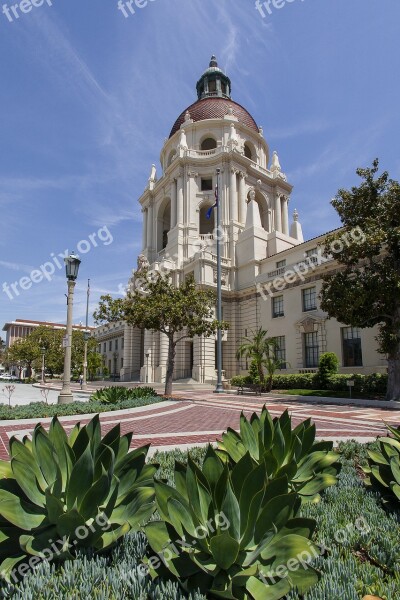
{"type": "Point", "coordinates": [259, 243]}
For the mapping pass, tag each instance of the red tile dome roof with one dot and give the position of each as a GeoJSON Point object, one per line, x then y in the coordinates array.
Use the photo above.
{"type": "Point", "coordinates": [215, 108]}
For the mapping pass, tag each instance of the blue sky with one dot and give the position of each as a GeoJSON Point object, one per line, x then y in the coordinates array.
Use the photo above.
{"type": "Point", "coordinates": [87, 97]}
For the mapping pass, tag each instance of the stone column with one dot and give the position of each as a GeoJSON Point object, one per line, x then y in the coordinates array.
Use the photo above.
{"type": "Point", "coordinates": [179, 209]}
{"type": "Point", "coordinates": [173, 203]}
{"type": "Point", "coordinates": [233, 196]}
{"type": "Point", "coordinates": [285, 215]}
{"type": "Point", "coordinates": [278, 213]}
{"type": "Point", "coordinates": [144, 230]}
{"type": "Point", "coordinates": [150, 223]}
{"type": "Point", "coordinates": [242, 198]}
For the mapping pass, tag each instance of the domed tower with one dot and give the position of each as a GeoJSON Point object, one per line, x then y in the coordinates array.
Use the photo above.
{"type": "Point", "coordinates": [215, 132]}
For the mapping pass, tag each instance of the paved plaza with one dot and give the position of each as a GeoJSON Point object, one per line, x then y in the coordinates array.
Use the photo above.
{"type": "Point", "coordinates": [198, 417]}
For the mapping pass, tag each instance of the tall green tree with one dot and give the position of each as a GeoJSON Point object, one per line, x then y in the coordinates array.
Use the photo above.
{"type": "Point", "coordinates": [178, 312]}
{"type": "Point", "coordinates": [23, 353]}
{"type": "Point", "coordinates": [365, 291]}
{"type": "Point", "coordinates": [95, 359]}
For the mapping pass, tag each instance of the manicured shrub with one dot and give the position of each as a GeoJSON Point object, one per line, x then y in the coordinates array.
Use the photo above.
{"type": "Point", "coordinates": [310, 466]}
{"type": "Point", "coordinates": [79, 491]}
{"type": "Point", "coordinates": [296, 381]}
{"type": "Point", "coordinates": [327, 367]}
{"type": "Point", "coordinates": [228, 532]}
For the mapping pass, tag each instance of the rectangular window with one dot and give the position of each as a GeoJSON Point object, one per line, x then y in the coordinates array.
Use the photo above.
{"type": "Point", "coordinates": [122, 343]}
{"type": "Point", "coordinates": [277, 307]}
{"type": "Point", "coordinates": [280, 350]}
{"type": "Point", "coordinates": [351, 343]}
{"type": "Point", "coordinates": [311, 350]}
{"type": "Point", "coordinates": [280, 264]}
{"type": "Point", "coordinates": [110, 345]}
{"type": "Point", "coordinates": [105, 347]}
{"type": "Point", "coordinates": [122, 363]}
{"type": "Point", "coordinates": [309, 298]}
{"type": "Point", "coordinates": [206, 185]}
{"type": "Point", "coordinates": [116, 344]}
{"type": "Point", "coordinates": [312, 252]}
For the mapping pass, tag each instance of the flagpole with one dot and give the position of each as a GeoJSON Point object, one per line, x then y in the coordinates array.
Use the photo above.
{"type": "Point", "coordinates": [219, 387]}
{"type": "Point", "coordinates": [86, 339]}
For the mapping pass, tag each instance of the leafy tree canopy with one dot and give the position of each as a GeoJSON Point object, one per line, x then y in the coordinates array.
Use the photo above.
{"type": "Point", "coordinates": [364, 291]}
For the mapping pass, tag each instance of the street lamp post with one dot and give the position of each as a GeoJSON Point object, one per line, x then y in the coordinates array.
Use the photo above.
{"type": "Point", "coordinates": [43, 354]}
{"type": "Point", "coordinates": [71, 269]}
{"type": "Point", "coordinates": [86, 337]}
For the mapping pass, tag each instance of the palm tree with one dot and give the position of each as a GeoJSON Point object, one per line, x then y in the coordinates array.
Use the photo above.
{"type": "Point", "coordinates": [257, 349]}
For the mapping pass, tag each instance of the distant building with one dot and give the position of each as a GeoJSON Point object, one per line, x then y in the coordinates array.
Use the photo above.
{"type": "Point", "coordinates": [22, 328]}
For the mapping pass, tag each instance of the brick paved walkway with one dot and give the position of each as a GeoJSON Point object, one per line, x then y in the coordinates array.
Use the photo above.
{"type": "Point", "coordinates": [200, 417]}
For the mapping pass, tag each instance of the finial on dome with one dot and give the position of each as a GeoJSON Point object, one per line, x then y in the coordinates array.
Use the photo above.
{"type": "Point", "coordinates": [213, 61]}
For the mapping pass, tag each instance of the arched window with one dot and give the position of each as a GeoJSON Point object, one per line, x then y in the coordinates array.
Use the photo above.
{"type": "Point", "coordinates": [171, 157]}
{"type": "Point", "coordinates": [206, 226]}
{"type": "Point", "coordinates": [208, 144]}
{"type": "Point", "coordinates": [163, 224]}
{"type": "Point", "coordinates": [248, 151]}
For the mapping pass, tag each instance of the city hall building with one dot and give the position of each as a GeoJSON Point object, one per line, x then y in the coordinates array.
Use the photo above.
{"type": "Point", "coordinates": [271, 277]}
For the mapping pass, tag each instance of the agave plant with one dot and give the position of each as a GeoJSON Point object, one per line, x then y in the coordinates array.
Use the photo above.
{"type": "Point", "coordinates": [231, 533]}
{"type": "Point", "coordinates": [310, 466]}
{"type": "Point", "coordinates": [59, 493]}
{"type": "Point", "coordinates": [383, 472]}
{"type": "Point", "coordinates": [116, 394]}
{"type": "Point", "coordinates": [110, 395]}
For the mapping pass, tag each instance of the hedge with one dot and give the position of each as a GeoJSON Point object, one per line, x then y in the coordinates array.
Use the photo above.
{"type": "Point", "coordinates": [41, 410]}
{"type": "Point", "coordinates": [365, 384]}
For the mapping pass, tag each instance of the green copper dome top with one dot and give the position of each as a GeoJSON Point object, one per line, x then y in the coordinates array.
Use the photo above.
{"type": "Point", "coordinates": [213, 83]}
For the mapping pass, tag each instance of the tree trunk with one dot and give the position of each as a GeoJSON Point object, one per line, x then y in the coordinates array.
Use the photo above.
{"type": "Point", "coordinates": [260, 373]}
{"type": "Point", "coordinates": [170, 366]}
{"type": "Point", "coordinates": [393, 388]}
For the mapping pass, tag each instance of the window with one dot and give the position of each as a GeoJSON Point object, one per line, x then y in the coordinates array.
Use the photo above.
{"type": "Point", "coordinates": [312, 252]}
{"type": "Point", "coordinates": [311, 350]}
{"type": "Point", "coordinates": [208, 144]}
{"type": "Point", "coordinates": [99, 348]}
{"type": "Point", "coordinates": [277, 307]}
{"type": "Point", "coordinates": [247, 152]}
{"type": "Point", "coordinates": [105, 347]}
{"type": "Point", "coordinates": [309, 299]}
{"type": "Point", "coordinates": [110, 345]}
{"type": "Point", "coordinates": [122, 343]}
{"type": "Point", "coordinates": [116, 344]}
{"type": "Point", "coordinates": [212, 86]}
{"type": "Point", "coordinates": [280, 350]}
{"type": "Point", "coordinates": [122, 363]}
{"type": "Point", "coordinates": [280, 264]}
{"type": "Point", "coordinates": [206, 185]}
{"type": "Point", "coordinates": [351, 343]}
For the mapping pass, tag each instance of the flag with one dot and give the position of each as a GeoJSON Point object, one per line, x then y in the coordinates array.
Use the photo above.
{"type": "Point", "coordinates": [209, 212]}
